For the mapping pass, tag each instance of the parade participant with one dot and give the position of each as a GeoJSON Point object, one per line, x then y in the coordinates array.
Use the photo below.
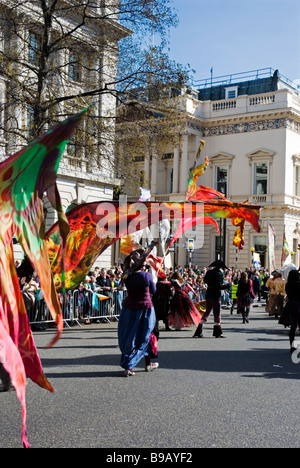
{"type": "Point", "coordinates": [183, 311]}
{"type": "Point", "coordinates": [161, 301]}
{"type": "Point", "coordinates": [245, 296]}
{"type": "Point", "coordinates": [214, 279]}
{"type": "Point", "coordinates": [137, 318]}
{"type": "Point", "coordinates": [276, 284]}
{"type": "Point", "coordinates": [292, 288]}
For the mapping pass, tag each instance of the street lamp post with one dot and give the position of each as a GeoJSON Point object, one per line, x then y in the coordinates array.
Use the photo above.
{"type": "Point", "coordinates": [252, 256]}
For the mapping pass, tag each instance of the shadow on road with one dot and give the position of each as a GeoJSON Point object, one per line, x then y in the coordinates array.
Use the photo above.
{"type": "Point", "coordinates": [254, 363]}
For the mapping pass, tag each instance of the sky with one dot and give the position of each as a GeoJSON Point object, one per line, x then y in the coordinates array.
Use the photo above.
{"type": "Point", "coordinates": [234, 36]}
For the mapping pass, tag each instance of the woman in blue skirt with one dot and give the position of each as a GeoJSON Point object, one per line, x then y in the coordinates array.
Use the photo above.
{"type": "Point", "coordinates": [137, 318]}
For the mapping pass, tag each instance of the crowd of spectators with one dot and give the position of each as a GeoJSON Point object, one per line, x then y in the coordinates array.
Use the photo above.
{"type": "Point", "coordinates": [107, 282]}
{"type": "Point", "coordinates": [196, 287]}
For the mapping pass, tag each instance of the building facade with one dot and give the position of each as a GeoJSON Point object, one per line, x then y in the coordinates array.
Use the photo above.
{"type": "Point", "coordinates": [251, 127]}
{"type": "Point", "coordinates": [82, 56]}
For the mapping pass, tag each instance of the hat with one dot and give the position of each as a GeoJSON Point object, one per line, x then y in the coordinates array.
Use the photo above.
{"type": "Point", "coordinates": [276, 273]}
{"type": "Point", "coordinates": [218, 264]}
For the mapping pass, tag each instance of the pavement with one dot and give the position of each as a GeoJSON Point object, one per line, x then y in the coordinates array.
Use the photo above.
{"type": "Point", "coordinates": [238, 392]}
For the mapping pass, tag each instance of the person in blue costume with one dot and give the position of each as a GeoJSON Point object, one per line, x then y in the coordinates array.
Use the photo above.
{"type": "Point", "coordinates": [137, 318]}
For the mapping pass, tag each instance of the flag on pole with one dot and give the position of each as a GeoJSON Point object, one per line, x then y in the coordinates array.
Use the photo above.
{"type": "Point", "coordinates": [271, 246]}
{"type": "Point", "coordinates": [285, 250]}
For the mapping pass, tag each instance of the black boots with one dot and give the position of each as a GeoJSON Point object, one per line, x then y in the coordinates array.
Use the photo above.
{"type": "Point", "coordinates": [218, 333]}
{"type": "Point", "coordinates": [198, 332]}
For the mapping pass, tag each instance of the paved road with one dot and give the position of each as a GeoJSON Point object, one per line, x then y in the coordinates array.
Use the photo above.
{"type": "Point", "coordinates": [242, 391]}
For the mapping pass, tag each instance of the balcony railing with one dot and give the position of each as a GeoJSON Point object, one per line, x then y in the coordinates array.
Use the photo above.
{"type": "Point", "coordinates": [261, 100]}
{"type": "Point", "coordinates": [224, 105]}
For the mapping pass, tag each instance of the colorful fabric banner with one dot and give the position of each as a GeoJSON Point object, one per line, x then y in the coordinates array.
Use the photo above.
{"type": "Point", "coordinates": [271, 247]}
{"type": "Point", "coordinates": [188, 223]}
{"type": "Point", "coordinates": [217, 206]}
{"type": "Point", "coordinates": [96, 226]}
{"type": "Point", "coordinates": [238, 238]}
{"type": "Point", "coordinates": [227, 209]}
{"type": "Point", "coordinates": [130, 243]}
{"type": "Point", "coordinates": [24, 178]}
{"type": "Point", "coordinates": [285, 250]}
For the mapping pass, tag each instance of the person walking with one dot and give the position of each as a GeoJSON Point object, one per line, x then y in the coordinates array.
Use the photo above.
{"type": "Point", "coordinates": [245, 296]}
{"type": "Point", "coordinates": [292, 288]}
{"type": "Point", "coordinates": [276, 284]}
{"type": "Point", "coordinates": [161, 301]}
{"type": "Point", "coordinates": [137, 317]}
{"type": "Point", "coordinates": [234, 289]}
{"type": "Point", "coordinates": [214, 279]}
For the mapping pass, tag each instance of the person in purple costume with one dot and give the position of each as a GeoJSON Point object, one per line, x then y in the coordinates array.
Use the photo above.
{"type": "Point", "coordinates": [137, 318]}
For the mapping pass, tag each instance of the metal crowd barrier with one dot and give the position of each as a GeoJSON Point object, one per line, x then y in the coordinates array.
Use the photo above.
{"type": "Point", "coordinates": [79, 307]}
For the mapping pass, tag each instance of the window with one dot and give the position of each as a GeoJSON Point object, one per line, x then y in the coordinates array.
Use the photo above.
{"type": "Point", "coordinates": [260, 179]}
{"type": "Point", "coordinates": [220, 241]}
{"type": "Point", "coordinates": [221, 179]}
{"type": "Point", "coordinates": [231, 93]}
{"type": "Point", "coordinates": [72, 146]}
{"type": "Point", "coordinates": [261, 161]}
{"type": "Point", "coordinates": [170, 178]}
{"type": "Point", "coordinates": [142, 178]}
{"type": "Point", "coordinates": [35, 44]}
{"type": "Point", "coordinates": [261, 247]}
{"type": "Point", "coordinates": [74, 67]}
{"type": "Point", "coordinates": [30, 121]}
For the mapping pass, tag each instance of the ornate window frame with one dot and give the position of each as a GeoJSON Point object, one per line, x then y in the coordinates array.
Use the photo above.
{"type": "Point", "coordinates": [261, 156]}
{"type": "Point", "coordinates": [296, 171]}
{"type": "Point", "coordinates": [222, 159]}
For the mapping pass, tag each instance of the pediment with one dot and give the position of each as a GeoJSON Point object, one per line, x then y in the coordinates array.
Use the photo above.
{"type": "Point", "coordinates": [261, 153]}
{"type": "Point", "coordinates": [296, 158]}
{"type": "Point", "coordinates": [221, 158]}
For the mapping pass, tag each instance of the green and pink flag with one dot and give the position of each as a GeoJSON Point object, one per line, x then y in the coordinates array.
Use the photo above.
{"type": "Point", "coordinates": [24, 178]}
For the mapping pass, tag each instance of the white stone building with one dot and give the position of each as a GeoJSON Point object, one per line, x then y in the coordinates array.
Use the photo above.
{"type": "Point", "coordinates": [251, 127]}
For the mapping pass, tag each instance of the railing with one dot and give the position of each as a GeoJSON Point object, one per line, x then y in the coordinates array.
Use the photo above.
{"type": "Point", "coordinates": [79, 307]}
{"type": "Point", "coordinates": [242, 102]}
{"type": "Point", "coordinates": [241, 77]}
{"type": "Point", "coordinates": [261, 100]}
{"type": "Point", "coordinates": [224, 105]}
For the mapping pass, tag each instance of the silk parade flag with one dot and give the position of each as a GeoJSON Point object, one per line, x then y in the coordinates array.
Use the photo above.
{"type": "Point", "coordinates": [285, 250]}
{"type": "Point", "coordinates": [24, 179]}
{"type": "Point", "coordinates": [217, 206]}
{"type": "Point", "coordinates": [271, 247]}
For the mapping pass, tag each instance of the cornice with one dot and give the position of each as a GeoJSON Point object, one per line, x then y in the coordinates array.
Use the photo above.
{"type": "Point", "coordinates": [244, 123]}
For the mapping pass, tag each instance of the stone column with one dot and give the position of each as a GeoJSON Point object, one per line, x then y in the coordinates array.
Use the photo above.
{"type": "Point", "coordinates": [147, 171]}
{"type": "Point", "coordinates": [154, 173]}
{"type": "Point", "coordinates": [184, 164]}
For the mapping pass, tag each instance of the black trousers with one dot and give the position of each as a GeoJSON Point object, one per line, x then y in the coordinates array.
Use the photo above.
{"type": "Point", "coordinates": [295, 323]}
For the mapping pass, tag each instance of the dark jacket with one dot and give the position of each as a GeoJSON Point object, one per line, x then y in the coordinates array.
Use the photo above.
{"type": "Point", "coordinates": [215, 283]}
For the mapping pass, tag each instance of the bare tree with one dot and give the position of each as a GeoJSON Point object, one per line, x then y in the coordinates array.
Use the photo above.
{"type": "Point", "coordinates": [57, 56]}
